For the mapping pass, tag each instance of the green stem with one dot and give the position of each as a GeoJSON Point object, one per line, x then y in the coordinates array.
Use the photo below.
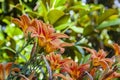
{"type": "Point", "coordinates": [16, 56]}
{"type": "Point", "coordinates": [48, 67]}
{"type": "Point", "coordinates": [19, 52]}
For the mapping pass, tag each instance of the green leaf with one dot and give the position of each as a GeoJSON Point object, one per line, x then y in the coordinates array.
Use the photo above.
{"type": "Point", "coordinates": [86, 58]}
{"type": "Point", "coordinates": [63, 20]}
{"type": "Point", "coordinates": [64, 26]}
{"type": "Point", "coordinates": [1, 0]}
{"type": "Point", "coordinates": [6, 20]}
{"type": "Point", "coordinates": [59, 2]}
{"type": "Point", "coordinates": [56, 3]}
{"type": "Point", "coordinates": [13, 31]}
{"type": "Point", "coordinates": [78, 55]}
{"type": "Point", "coordinates": [96, 7]}
{"type": "Point", "coordinates": [33, 13]}
{"type": "Point", "coordinates": [54, 15]}
{"type": "Point", "coordinates": [8, 48]}
{"type": "Point", "coordinates": [61, 27]}
{"type": "Point", "coordinates": [88, 30]}
{"type": "Point", "coordinates": [77, 29]}
{"type": "Point", "coordinates": [80, 50]}
{"type": "Point", "coordinates": [42, 10]}
{"type": "Point", "coordinates": [10, 52]}
{"type": "Point", "coordinates": [109, 23]}
{"type": "Point", "coordinates": [19, 7]}
{"type": "Point", "coordinates": [1, 36]}
{"type": "Point", "coordinates": [80, 7]}
{"type": "Point", "coordinates": [106, 15]}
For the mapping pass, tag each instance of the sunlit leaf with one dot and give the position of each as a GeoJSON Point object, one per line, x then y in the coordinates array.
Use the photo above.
{"type": "Point", "coordinates": [6, 20]}
{"type": "Point", "coordinates": [1, 37]}
{"type": "Point", "coordinates": [80, 7]}
{"type": "Point", "coordinates": [42, 10]}
{"type": "Point", "coordinates": [106, 15]}
{"type": "Point", "coordinates": [109, 23]}
{"type": "Point", "coordinates": [1, 0]}
{"type": "Point", "coordinates": [12, 31]}
{"type": "Point", "coordinates": [96, 7]}
{"type": "Point", "coordinates": [61, 27]}
{"type": "Point", "coordinates": [54, 15]}
{"type": "Point", "coordinates": [63, 20]}
{"type": "Point", "coordinates": [77, 29]}
{"type": "Point", "coordinates": [64, 26]}
{"type": "Point", "coordinates": [59, 2]}
{"type": "Point", "coordinates": [10, 49]}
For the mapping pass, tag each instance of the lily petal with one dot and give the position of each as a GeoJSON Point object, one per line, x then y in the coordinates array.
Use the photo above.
{"type": "Point", "coordinates": [2, 75]}
{"type": "Point", "coordinates": [116, 48]}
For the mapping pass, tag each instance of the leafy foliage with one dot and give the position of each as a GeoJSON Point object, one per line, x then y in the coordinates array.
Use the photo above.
{"type": "Point", "coordinates": [89, 24]}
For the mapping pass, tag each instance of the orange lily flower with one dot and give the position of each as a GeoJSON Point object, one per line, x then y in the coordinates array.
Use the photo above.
{"type": "Point", "coordinates": [116, 47]}
{"type": "Point", "coordinates": [5, 70]}
{"type": "Point", "coordinates": [24, 22]}
{"type": "Point", "coordinates": [74, 70]}
{"type": "Point", "coordinates": [55, 61]}
{"type": "Point", "coordinates": [111, 74]}
{"type": "Point", "coordinates": [47, 37]}
{"type": "Point", "coordinates": [99, 58]}
{"type": "Point", "coordinates": [55, 45]}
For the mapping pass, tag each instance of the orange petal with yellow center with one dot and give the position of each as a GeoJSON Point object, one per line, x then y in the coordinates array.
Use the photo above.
{"type": "Point", "coordinates": [50, 48]}
{"type": "Point", "coordinates": [96, 62]}
{"type": "Point", "coordinates": [104, 64]}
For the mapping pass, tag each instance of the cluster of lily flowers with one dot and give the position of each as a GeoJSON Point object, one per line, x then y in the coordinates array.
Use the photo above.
{"type": "Point", "coordinates": [64, 68]}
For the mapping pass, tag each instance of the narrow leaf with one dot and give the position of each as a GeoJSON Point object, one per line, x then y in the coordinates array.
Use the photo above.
{"type": "Point", "coordinates": [77, 29]}
{"type": "Point", "coordinates": [106, 15]}
{"type": "Point", "coordinates": [109, 23]}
